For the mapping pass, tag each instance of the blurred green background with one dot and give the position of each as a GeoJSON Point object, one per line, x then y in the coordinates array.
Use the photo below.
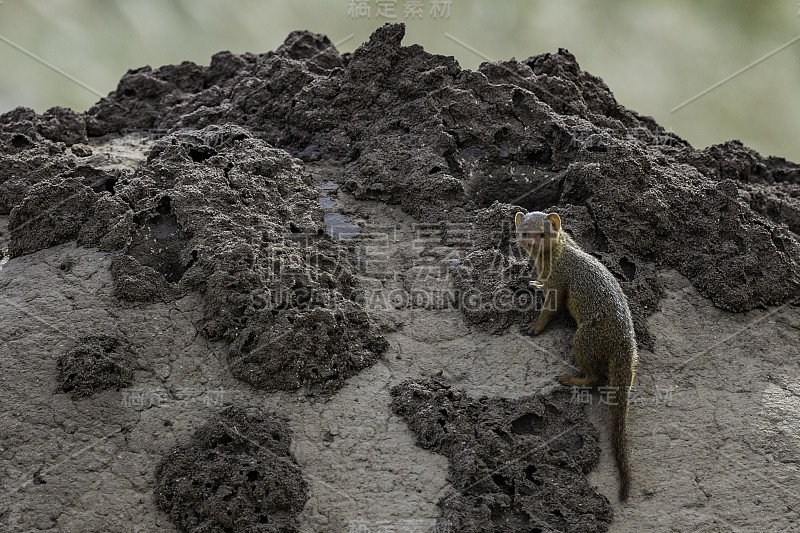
{"type": "Point", "coordinates": [654, 55]}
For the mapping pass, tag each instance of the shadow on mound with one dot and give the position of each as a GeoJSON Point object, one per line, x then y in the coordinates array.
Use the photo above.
{"type": "Point", "coordinates": [235, 474]}
{"type": "Point", "coordinates": [516, 465]}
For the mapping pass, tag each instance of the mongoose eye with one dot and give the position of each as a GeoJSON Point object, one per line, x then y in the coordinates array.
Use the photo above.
{"type": "Point", "coordinates": [541, 235]}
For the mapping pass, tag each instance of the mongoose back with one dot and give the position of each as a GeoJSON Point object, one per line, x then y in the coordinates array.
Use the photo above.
{"type": "Point", "coordinates": [604, 343]}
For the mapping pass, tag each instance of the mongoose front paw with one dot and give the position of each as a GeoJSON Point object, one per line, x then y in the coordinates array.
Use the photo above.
{"type": "Point", "coordinates": [535, 328]}
{"type": "Point", "coordinates": [535, 284]}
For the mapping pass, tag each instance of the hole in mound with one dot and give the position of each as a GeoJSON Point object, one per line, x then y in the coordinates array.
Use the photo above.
{"type": "Point", "coordinates": [530, 470]}
{"type": "Point", "coordinates": [20, 141]}
{"type": "Point", "coordinates": [503, 484]}
{"type": "Point", "coordinates": [628, 268]}
{"type": "Point", "coordinates": [201, 153]}
{"type": "Point", "coordinates": [355, 154]}
{"type": "Point", "coordinates": [528, 424]}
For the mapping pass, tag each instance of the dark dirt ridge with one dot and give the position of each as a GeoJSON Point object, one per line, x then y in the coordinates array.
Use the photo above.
{"type": "Point", "coordinates": [516, 465]}
{"type": "Point", "coordinates": [235, 474]}
{"type": "Point", "coordinates": [221, 208]}
{"type": "Point", "coordinates": [412, 128]}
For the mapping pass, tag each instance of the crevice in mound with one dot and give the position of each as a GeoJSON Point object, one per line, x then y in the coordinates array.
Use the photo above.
{"type": "Point", "coordinates": [159, 242]}
{"type": "Point", "coordinates": [628, 268]}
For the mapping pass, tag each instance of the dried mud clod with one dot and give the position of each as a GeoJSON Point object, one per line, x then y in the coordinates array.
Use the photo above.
{"type": "Point", "coordinates": [492, 290]}
{"type": "Point", "coordinates": [516, 465]}
{"type": "Point", "coordinates": [222, 213]}
{"type": "Point", "coordinates": [57, 124]}
{"type": "Point", "coordinates": [236, 473]}
{"type": "Point", "coordinates": [53, 212]}
{"type": "Point", "coordinates": [28, 157]}
{"type": "Point", "coordinates": [96, 363]}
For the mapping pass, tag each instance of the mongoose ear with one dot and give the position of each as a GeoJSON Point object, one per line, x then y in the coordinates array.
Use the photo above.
{"type": "Point", "coordinates": [555, 220]}
{"type": "Point", "coordinates": [518, 218]}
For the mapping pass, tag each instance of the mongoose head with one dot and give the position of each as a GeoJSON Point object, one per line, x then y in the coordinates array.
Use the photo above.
{"type": "Point", "coordinates": [536, 231]}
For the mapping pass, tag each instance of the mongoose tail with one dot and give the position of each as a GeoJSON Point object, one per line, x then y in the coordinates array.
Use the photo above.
{"type": "Point", "coordinates": [621, 370]}
{"type": "Point", "coordinates": [619, 439]}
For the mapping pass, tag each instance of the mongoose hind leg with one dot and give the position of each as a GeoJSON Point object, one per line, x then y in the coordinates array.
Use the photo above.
{"type": "Point", "coordinates": [588, 359]}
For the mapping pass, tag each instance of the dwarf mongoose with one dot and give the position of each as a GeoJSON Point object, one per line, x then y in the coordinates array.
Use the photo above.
{"type": "Point", "coordinates": [604, 343]}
